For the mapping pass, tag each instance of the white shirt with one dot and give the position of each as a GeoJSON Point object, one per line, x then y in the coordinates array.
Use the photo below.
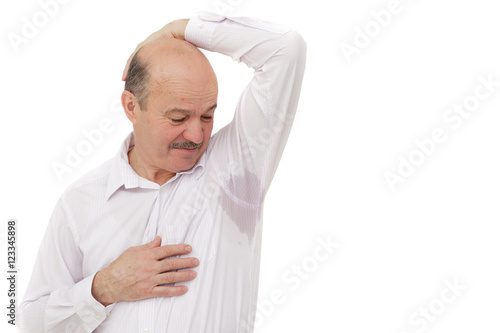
{"type": "Point", "coordinates": [216, 207]}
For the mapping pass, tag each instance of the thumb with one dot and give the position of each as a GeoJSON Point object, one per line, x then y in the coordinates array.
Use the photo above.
{"type": "Point", "coordinates": [154, 243]}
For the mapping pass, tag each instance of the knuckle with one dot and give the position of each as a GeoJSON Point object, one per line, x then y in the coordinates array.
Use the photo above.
{"type": "Point", "coordinates": [173, 250]}
{"type": "Point", "coordinates": [167, 251]}
{"type": "Point", "coordinates": [174, 291]}
{"type": "Point", "coordinates": [169, 265]}
{"type": "Point", "coordinates": [169, 278]}
{"type": "Point", "coordinates": [171, 291]}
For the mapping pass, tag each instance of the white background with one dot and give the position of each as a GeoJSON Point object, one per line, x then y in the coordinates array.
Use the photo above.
{"type": "Point", "coordinates": [397, 248]}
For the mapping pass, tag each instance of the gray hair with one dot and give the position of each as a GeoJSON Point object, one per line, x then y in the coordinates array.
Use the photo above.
{"type": "Point", "coordinates": [138, 79]}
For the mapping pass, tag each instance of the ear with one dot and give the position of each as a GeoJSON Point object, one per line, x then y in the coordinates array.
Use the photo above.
{"type": "Point", "coordinates": [130, 106]}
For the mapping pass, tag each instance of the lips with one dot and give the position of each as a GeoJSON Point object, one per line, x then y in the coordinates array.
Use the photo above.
{"type": "Point", "coordinates": [187, 150]}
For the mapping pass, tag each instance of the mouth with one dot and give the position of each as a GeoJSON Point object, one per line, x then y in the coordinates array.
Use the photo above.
{"type": "Point", "coordinates": [187, 150]}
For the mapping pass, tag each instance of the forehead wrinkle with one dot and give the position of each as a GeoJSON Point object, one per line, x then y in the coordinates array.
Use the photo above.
{"type": "Point", "coordinates": [189, 99]}
{"type": "Point", "coordinates": [160, 86]}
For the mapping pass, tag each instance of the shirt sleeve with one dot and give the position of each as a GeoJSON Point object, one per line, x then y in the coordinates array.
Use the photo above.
{"type": "Point", "coordinates": [58, 297]}
{"type": "Point", "coordinates": [250, 147]}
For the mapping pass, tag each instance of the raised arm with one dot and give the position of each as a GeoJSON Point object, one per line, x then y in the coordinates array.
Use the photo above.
{"type": "Point", "coordinates": [250, 147]}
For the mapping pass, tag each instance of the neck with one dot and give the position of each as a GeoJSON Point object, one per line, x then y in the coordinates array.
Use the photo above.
{"type": "Point", "coordinates": [141, 167]}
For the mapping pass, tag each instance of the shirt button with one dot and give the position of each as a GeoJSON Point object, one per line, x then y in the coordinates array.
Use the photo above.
{"type": "Point", "coordinates": [98, 317]}
{"type": "Point", "coordinates": [146, 330]}
{"type": "Point", "coordinates": [201, 26]}
{"type": "Point", "coordinates": [109, 314]}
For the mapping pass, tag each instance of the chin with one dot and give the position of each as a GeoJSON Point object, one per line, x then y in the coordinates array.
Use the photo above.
{"type": "Point", "coordinates": [187, 165]}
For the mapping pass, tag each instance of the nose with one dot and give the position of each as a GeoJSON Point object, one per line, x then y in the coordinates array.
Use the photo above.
{"type": "Point", "coordinates": [194, 132]}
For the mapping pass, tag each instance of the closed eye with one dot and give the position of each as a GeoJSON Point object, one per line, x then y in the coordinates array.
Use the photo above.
{"type": "Point", "coordinates": [178, 121]}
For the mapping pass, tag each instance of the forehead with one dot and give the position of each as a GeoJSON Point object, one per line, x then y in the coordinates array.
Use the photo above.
{"type": "Point", "coordinates": [181, 76]}
{"type": "Point", "coordinates": [183, 96]}
{"type": "Point", "coordinates": [183, 90]}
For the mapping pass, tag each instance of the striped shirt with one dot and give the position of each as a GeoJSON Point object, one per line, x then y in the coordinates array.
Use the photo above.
{"type": "Point", "coordinates": [216, 206]}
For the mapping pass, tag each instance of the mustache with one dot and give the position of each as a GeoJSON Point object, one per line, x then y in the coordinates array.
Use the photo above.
{"type": "Point", "coordinates": [186, 145]}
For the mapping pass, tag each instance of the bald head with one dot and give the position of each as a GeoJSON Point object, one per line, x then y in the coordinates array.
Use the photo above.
{"type": "Point", "coordinates": [162, 61]}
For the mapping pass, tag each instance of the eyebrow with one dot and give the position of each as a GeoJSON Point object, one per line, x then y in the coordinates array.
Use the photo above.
{"type": "Point", "coordinates": [185, 111]}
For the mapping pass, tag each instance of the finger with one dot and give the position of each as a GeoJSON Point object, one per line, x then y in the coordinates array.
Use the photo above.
{"type": "Point", "coordinates": [166, 251]}
{"type": "Point", "coordinates": [176, 263]}
{"type": "Point", "coordinates": [169, 291]}
{"type": "Point", "coordinates": [174, 277]}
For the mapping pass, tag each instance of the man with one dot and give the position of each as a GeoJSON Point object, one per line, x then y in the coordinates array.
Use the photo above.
{"type": "Point", "coordinates": [101, 266]}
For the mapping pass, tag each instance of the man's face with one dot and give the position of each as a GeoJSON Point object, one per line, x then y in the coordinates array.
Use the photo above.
{"type": "Point", "coordinates": [174, 130]}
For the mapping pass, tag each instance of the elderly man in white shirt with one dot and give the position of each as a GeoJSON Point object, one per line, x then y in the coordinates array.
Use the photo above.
{"type": "Point", "coordinates": [166, 236]}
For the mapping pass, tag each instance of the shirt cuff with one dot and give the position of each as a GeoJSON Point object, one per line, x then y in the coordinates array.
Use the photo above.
{"type": "Point", "coordinates": [88, 308]}
{"type": "Point", "coordinates": [200, 29]}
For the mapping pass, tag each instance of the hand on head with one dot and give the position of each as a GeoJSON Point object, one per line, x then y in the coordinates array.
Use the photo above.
{"type": "Point", "coordinates": [174, 29]}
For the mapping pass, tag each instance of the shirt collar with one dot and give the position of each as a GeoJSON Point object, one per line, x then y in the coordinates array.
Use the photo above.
{"type": "Point", "coordinates": [122, 174]}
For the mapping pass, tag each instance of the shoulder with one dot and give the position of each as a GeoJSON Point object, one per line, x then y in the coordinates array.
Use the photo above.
{"type": "Point", "coordinates": [92, 182]}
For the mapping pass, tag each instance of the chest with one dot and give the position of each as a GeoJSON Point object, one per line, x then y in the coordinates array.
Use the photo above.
{"type": "Point", "coordinates": [179, 212]}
